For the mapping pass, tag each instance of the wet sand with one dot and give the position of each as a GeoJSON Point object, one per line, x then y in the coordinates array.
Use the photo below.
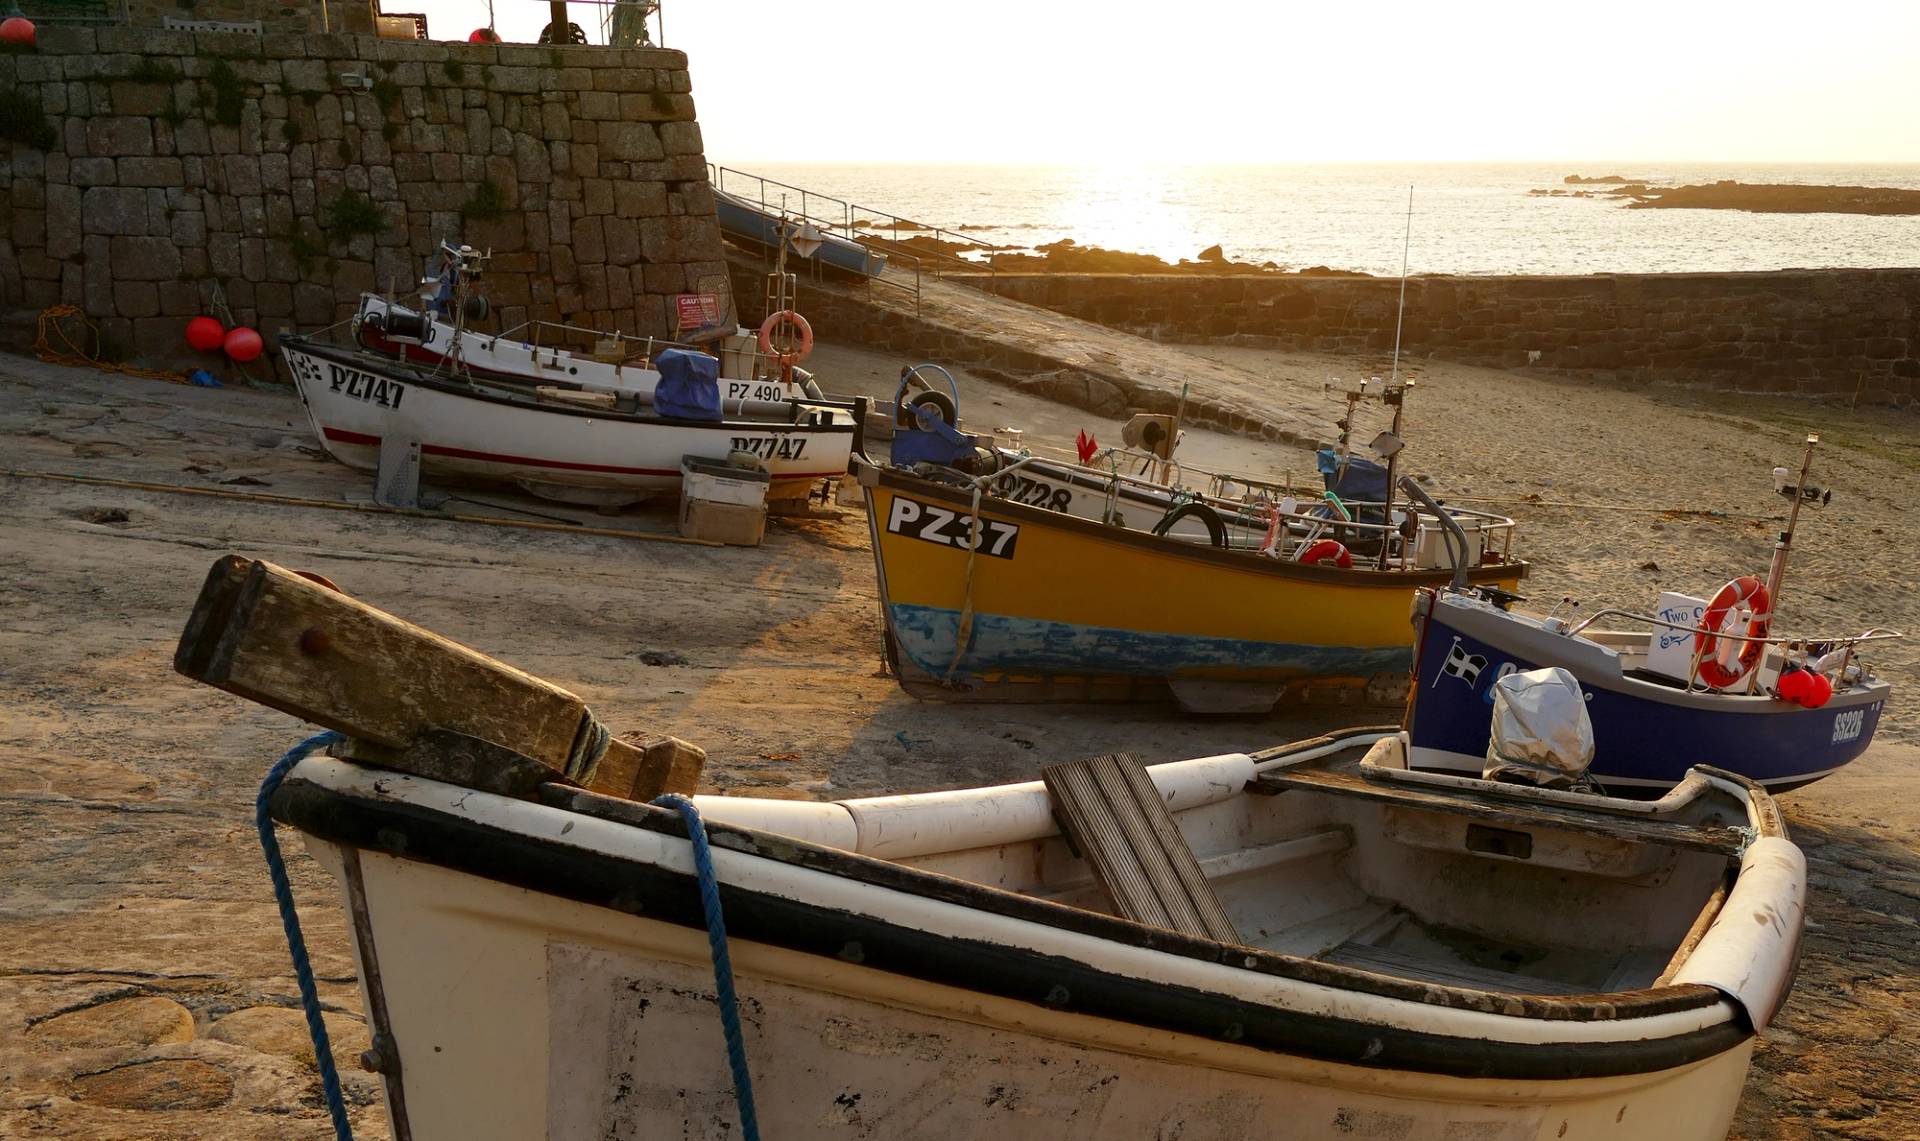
{"type": "Point", "coordinates": [144, 988]}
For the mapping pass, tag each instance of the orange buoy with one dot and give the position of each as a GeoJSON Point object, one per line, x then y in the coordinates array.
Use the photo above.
{"type": "Point", "coordinates": [1747, 591]}
{"type": "Point", "coordinates": [1327, 550]}
{"type": "Point", "coordinates": [797, 340]}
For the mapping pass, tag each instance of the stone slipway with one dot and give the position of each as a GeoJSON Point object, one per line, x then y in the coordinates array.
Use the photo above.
{"type": "Point", "coordinates": [1037, 350]}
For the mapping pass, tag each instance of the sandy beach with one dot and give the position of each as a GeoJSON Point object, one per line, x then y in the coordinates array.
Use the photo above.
{"type": "Point", "coordinates": [144, 987]}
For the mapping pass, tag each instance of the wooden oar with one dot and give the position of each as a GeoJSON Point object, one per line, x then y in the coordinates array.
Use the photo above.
{"type": "Point", "coordinates": [301, 646]}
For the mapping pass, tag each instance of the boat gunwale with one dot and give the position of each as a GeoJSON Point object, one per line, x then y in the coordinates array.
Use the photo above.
{"type": "Point", "coordinates": [651, 891]}
{"type": "Point", "coordinates": [390, 366]}
{"type": "Point", "coordinates": [900, 482]}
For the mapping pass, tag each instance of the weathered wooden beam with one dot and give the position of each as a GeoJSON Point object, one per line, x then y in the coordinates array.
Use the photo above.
{"type": "Point", "coordinates": [1110, 810]}
{"type": "Point", "coordinates": [288, 642]}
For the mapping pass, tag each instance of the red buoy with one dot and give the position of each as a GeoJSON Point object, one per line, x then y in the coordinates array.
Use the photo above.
{"type": "Point", "coordinates": [484, 36]}
{"type": "Point", "coordinates": [206, 334]}
{"type": "Point", "coordinates": [243, 344]}
{"type": "Point", "coordinates": [1794, 685]}
{"type": "Point", "coordinates": [17, 31]}
{"type": "Point", "coordinates": [1819, 693]}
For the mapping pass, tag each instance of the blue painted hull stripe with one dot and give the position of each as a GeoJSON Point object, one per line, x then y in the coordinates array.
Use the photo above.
{"type": "Point", "coordinates": [926, 635]}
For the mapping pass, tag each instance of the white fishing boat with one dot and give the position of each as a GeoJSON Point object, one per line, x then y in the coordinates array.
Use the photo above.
{"type": "Point", "coordinates": [383, 325]}
{"type": "Point", "coordinates": [1400, 954]}
{"type": "Point", "coordinates": [604, 449]}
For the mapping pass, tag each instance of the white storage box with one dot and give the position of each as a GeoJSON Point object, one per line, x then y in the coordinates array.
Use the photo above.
{"type": "Point", "coordinates": [722, 503]}
{"type": "Point", "coordinates": [737, 355]}
{"type": "Point", "coordinates": [1433, 551]}
{"type": "Point", "coordinates": [1670, 652]}
{"type": "Point", "coordinates": [714, 481]}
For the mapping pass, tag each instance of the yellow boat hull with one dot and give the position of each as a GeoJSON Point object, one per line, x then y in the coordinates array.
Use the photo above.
{"type": "Point", "coordinates": [1047, 595]}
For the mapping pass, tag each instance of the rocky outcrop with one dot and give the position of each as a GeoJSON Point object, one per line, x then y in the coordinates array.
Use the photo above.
{"type": "Point", "coordinates": [1768, 198]}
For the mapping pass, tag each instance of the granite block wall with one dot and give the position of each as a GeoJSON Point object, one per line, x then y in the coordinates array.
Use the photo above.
{"type": "Point", "coordinates": [1825, 332]}
{"type": "Point", "coordinates": [142, 169]}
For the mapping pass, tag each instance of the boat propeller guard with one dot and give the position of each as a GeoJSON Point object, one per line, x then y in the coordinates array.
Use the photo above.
{"type": "Point", "coordinates": [1746, 592]}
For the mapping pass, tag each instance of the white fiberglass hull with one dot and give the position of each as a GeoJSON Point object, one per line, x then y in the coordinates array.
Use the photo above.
{"type": "Point", "coordinates": [354, 404]}
{"type": "Point", "coordinates": [520, 1015]}
{"type": "Point", "coordinates": [542, 972]}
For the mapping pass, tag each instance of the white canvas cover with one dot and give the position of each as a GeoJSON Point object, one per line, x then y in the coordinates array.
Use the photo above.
{"type": "Point", "coordinates": [1541, 734]}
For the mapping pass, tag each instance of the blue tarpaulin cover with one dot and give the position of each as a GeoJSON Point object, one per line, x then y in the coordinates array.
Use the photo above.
{"type": "Point", "coordinates": [1364, 481]}
{"type": "Point", "coordinates": [689, 387]}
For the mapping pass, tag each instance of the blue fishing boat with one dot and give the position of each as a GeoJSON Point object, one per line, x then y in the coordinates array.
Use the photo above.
{"type": "Point", "coordinates": [752, 224]}
{"type": "Point", "coordinates": [1647, 728]}
{"type": "Point", "coordinates": [1705, 683]}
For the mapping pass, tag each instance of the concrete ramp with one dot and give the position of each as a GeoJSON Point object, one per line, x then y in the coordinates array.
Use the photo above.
{"type": "Point", "coordinates": [1049, 354]}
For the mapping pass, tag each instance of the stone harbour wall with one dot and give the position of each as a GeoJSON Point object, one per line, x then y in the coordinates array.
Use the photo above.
{"type": "Point", "coordinates": [1817, 332]}
{"type": "Point", "coordinates": [143, 169]}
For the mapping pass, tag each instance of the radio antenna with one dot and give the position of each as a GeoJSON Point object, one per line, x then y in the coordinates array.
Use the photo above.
{"type": "Point", "coordinates": [1400, 318]}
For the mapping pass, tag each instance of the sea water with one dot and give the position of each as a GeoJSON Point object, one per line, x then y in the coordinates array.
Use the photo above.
{"type": "Point", "coordinates": [1467, 218]}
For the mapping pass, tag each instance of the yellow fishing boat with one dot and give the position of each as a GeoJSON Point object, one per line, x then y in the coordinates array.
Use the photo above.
{"type": "Point", "coordinates": [1037, 604]}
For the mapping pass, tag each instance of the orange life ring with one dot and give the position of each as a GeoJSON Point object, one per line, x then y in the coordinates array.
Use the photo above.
{"type": "Point", "coordinates": [797, 328]}
{"type": "Point", "coordinates": [1748, 590]}
{"type": "Point", "coordinates": [1326, 549]}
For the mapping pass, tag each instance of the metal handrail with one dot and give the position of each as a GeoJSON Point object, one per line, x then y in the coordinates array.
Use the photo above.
{"type": "Point", "coordinates": [846, 226]}
{"type": "Point", "coordinates": [1875, 634]}
{"type": "Point", "coordinates": [1244, 510]}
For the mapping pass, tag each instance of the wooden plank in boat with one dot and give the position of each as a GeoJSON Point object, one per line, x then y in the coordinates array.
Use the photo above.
{"type": "Point", "coordinates": [1346, 780]}
{"type": "Point", "coordinates": [577, 396]}
{"type": "Point", "coordinates": [1115, 816]}
{"type": "Point", "coordinates": [301, 646]}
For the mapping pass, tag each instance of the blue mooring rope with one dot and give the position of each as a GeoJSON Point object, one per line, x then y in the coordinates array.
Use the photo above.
{"type": "Point", "coordinates": [290, 921]}
{"type": "Point", "coordinates": [722, 965]}
{"type": "Point", "coordinates": [310, 997]}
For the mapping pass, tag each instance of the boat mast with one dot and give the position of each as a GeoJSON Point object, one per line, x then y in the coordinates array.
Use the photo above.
{"type": "Point", "coordinates": [1784, 544]}
{"type": "Point", "coordinates": [1393, 393]}
{"type": "Point", "coordinates": [1399, 320]}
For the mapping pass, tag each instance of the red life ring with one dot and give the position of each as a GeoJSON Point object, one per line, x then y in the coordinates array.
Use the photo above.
{"type": "Point", "coordinates": [799, 337]}
{"type": "Point", "coordinates": [1326, 549]}
{"type": "Point", "coordinates": [1752, 592]}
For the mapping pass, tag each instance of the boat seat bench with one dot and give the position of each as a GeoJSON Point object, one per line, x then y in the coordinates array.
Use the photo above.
{"type": "Point", "coordinates": [1508, 813]}
{"type": "Point", "coordinates": [1398, 964]}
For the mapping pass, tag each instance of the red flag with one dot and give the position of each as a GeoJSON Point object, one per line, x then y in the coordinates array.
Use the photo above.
{"type": "Point", "coordinates": [1086, 445]}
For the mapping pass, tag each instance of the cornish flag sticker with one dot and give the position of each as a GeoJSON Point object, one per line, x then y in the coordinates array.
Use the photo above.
{"type": "Point", "coordinates": [1461, 664]}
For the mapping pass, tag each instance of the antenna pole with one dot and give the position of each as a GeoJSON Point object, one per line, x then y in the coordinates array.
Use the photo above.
{"type": "Point", "coordinates": [1781, 547]}
{"type": "Point", "coordinates": [1405, 247]}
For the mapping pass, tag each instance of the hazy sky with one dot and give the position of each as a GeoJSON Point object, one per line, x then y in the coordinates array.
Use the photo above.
{"type": "Point", "coordinates": [1219, 81]}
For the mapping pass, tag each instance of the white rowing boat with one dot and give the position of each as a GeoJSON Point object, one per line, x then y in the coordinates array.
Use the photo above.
{"type": "Point", "coordinates": [1417, 956]}
{"type": "Point", "coordinates": [551, 443]}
